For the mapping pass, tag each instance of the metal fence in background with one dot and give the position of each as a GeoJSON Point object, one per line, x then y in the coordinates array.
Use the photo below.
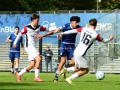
{"type": "Point", "coordinates": [54, 12]}
{"type": "Point", "coordinates": [99, 54]}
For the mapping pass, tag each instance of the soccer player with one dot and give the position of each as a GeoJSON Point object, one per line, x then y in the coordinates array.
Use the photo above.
{"type": "Point", "coordinates": [14, 54]}
{"type": "Point", "coordinates": [67, 45]}
{"type": "Point", "coordinates": [87, 37]}
{"type": "Point", "coordinates": [33, 55]}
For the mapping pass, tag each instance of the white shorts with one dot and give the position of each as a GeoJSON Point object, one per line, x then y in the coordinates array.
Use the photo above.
{"type": "Point", "coordinates": [81, 62]}
{"type": "Point", "coordinates": [32, 53]}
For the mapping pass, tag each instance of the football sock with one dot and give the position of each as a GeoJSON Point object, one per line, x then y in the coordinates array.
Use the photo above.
{"type": "Point", "coordinates": [73, 76]}
{"type": "Point", "coordinates": [36, 73]}
{"type": "Point", "coordinates": [16, 69]}
{"type": "Point", "coordinates": [67, 65]}
{"type": "Point", "coordinates": [12, 70]}
{"type": "Point", "coordinates": [56, 75]}
{"type": "Point", "coordinates": [22, 72]}
{"type": "Point", "coordinates": [70, 69]}
{"type": "Point", "coordinates": [57, 72]}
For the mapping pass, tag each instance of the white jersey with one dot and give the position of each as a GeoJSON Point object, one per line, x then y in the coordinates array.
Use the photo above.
{"type": "Point", "coordinates": [87, 37]}
{"type": "Point", "coordinates": [30, 32]}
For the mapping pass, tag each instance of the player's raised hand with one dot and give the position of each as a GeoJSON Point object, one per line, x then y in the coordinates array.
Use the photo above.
{"type": "Point", "coordinates": [14, 46]}
{"type": "Point", "coordinates": [111, 37]}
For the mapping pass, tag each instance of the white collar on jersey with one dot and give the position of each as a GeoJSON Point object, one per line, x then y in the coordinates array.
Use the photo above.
{"type": "Point", "coordinates": [32, 25]}
{"type": "Point", "coordinates": [15, 34]}
{"type": "Point", "coordinates": [71, 26]}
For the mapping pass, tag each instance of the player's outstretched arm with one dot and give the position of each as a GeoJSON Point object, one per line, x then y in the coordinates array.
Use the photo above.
{"type": "Point", "coordinates": [24, 30]}
{"type": "Point", "coordinates": [70, 31]}
{"type": "Point", "coordinates": [66, 32]}
{"type": "Point", "coordinates": [16, 40]}
{"type": "Point", "coordinates": [100, 39]}
{"type": "Point", "coordinates": [48, 33]}
{"type": "Point", "coordinates": [108, 40]}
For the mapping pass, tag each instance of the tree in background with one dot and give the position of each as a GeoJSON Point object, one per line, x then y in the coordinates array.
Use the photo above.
{"type": "Point", "coordinates": [10, 5]}
{"type": "Point", "coordinates": [42, 5]}
{"type": "Point", "coordinates": [109, 4]}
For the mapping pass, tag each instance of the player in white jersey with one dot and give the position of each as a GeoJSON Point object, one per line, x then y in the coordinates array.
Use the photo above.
{"type": "Point", "coordinates": [33, 55]}
{"type": "Point", "coordinates": [88, 36]}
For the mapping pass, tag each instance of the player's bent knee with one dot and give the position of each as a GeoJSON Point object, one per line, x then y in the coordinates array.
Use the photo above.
{"type": "Point", "coordinates": [87, 70]}
{"type": "Point", "coordinates": [71, 64]}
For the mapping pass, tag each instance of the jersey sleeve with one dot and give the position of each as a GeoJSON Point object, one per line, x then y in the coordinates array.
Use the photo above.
{"type": "Point", "coordinates": [43, 28]}
{"type": "Point", "coordinates": [70, 31]}
{"type": "Point", "coordinates": [99, 38]}
{"type": "Point", "coordinates": [79, 29]}
{"type": "Point", "coordinates": [24, 30]}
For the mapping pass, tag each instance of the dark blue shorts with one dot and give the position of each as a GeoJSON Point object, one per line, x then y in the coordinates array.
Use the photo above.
{"type": "Point", "coordinates": [67, 50]}
{"type": "Point", "coordinates": [13, 55]}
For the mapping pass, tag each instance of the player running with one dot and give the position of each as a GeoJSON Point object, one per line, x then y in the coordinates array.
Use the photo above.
{"type": "Point", "coordinates": [33, 55]}
{"type": "Point", "coordinates": [88, 36]}
{"type": "Point", "coordinates": [14, 54]}
{"type": "Point", "coordinates": [67, 45]}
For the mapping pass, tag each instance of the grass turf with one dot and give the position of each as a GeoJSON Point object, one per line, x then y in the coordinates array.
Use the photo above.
{"type": "Point", "coordinates": [86, 82]}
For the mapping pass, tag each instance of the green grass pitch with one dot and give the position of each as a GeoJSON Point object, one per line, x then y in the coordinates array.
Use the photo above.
{"type": "Point", "coordinates": [86, 82]}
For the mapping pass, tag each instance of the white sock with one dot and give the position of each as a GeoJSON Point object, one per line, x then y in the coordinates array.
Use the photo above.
{"type": "Point", "coordinates": [22, 72]}
{"type": "Point", "coordinates": [12, 69]}
{"type": "Point", "coordinates": [36, 73]}
{"type": "Point", "coordinates": [57, 72]}
{"type": "Point", "coordinates": [16, 67]}
{"type": "Point", "coordinates": [70, 69]}
{"type": "Point", "coordinates": [73, 76]}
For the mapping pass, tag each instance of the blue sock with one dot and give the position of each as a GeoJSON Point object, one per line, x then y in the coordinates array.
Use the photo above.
{"type": "Point", "coordinates": [67, 65]}
{"type": "Point", "coordinates": [16, 69]}
{"type": "Point", "coordinates": [56, 76]}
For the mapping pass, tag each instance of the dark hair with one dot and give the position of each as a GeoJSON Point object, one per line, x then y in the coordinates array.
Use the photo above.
{"type": "Point", "coordinates": [16, 27]}
{"type": "Point", "coordinates": [75, 18]}
{"type": "Point", "coordinates": [34, 16]}
{"type": "Point", "coordinates": [93, 22]}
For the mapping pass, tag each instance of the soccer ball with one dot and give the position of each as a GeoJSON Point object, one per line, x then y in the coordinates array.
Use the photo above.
{"type": "Point", "coordinates": [100, 75]}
